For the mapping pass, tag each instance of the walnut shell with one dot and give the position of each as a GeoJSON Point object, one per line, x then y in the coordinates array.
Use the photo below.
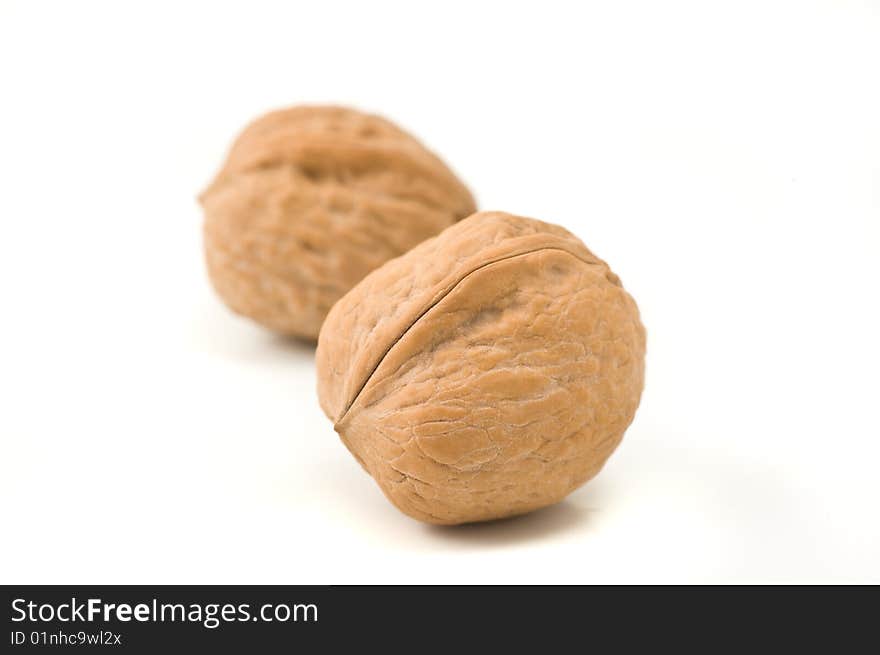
{"type": "Point", "coordinates": [309, 201]}
{"type": "Point", "coordinates": [488, 372]}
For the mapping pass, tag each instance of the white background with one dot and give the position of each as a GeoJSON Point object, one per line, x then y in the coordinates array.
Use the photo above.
{"type": "Point", "coordinates": [723, 157]}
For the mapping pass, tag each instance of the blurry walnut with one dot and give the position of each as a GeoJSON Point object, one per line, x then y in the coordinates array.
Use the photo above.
{"type": "Point", "coordinates": [488, 372]}
{"type": "Point", "coordinates": [309, 201]}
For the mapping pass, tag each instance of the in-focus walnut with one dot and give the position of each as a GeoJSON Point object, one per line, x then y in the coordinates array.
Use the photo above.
{"type": "Point", "coordinates": [309, 201]}
{"type": "Point", "coordinates": [488, 372]}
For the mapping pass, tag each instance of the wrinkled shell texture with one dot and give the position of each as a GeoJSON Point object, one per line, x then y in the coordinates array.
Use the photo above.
{"type": "Point", "coordinates": [488, 372]}
{"type": "Point", "coordinates": [309, 201]}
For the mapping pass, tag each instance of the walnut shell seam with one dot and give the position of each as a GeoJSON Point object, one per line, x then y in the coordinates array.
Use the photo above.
{"type": "Point", "coordinates": [445, 291]}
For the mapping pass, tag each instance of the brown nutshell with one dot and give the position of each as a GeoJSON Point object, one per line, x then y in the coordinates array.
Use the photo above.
{"type": "Point", "coordinates": [488, 372]}
{"type": "Point", "coordinates": [310, 200]}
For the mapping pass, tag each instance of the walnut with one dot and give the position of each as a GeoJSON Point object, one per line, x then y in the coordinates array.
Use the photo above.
{"type": "Point", "coordinates": [488, 372]}
{"type": "Point", "coordinates": [309, 201]}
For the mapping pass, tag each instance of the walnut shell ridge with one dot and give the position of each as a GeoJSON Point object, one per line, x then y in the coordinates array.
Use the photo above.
{"type": "Point", "coordinates": [310, 200]}
{"type": "Point", "coordinates": [488, 372]}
